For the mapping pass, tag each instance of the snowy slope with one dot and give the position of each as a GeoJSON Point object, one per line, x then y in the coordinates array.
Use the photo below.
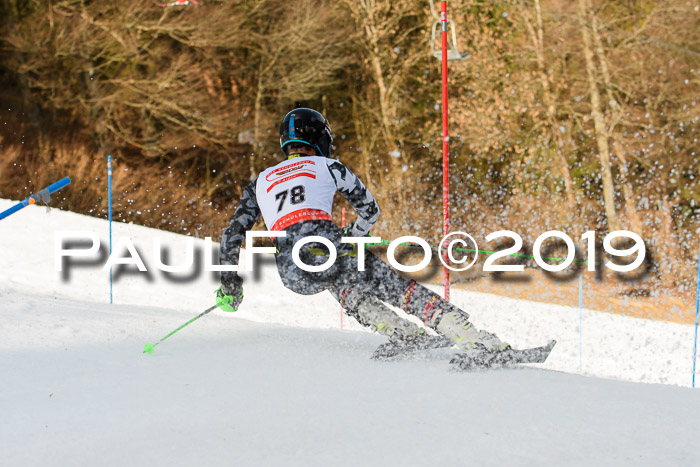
{"type": "Point", "coordinates": [77, 391]}
{"type": "Point", "coordinates": [613, 346]}
{"type": "Point", "coordinates": [27, 250]}
{"type": "Point", "coordinates": [281, 387]}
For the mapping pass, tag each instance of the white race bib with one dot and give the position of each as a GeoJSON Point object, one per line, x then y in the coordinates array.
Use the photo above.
{"type": "Point", "coordinates": [297, 189]}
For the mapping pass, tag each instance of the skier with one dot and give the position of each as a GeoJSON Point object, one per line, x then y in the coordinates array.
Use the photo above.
{"type": "Point", "coordinates": [296, 196]}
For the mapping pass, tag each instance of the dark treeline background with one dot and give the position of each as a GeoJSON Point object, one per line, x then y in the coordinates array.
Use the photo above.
{"type": "Point", "coordinates": [568, 114]}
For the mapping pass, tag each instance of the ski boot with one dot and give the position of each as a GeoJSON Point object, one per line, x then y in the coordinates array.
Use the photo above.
{"type": "Point", "coordinates": [447, 319]}
{"type": "Point", "coordinates": [455, 325]}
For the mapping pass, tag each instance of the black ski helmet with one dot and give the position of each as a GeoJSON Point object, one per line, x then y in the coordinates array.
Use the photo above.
{"type": "Point", "coordinates": [306, 126]}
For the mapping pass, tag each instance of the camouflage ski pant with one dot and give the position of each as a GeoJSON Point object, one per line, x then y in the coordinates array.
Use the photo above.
{"type": "Point", "coordinates": [359, 292]}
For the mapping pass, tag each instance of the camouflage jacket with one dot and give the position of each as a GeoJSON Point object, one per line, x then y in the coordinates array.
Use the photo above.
{"type": "Point", "coordinates": [248, 212]}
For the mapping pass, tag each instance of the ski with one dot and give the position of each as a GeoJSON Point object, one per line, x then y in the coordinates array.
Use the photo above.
{"type": "Point", "coordinates": [508, 358]}
{"type": "Point", "coordinates": [411, 344]}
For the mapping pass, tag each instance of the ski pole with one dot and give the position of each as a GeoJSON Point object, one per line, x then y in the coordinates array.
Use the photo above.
{"type": "Point", "coordinates": [148, 348]}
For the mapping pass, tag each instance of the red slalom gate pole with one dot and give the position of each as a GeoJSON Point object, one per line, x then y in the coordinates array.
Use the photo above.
{"type": "Point", "coordinates": [445, 147]}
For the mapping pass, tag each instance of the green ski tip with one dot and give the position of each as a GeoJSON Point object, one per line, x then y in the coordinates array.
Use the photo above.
{"type": "Point", "coordinates": [148, 348]}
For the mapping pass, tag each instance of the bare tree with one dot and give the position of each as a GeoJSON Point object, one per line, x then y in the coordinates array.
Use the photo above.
{"type": "Point", "coordinates": [536, 33]}
{"type": "Point", "coordinates": [614, 115]}
{"type": "Point", "coordinates": [390, 34]}
{"type": "Point", "coordinates": [140, 76]}
{"type": "Point", "coordinates": [598, 115]}
{"type": "Point", "coordinates": [294, 55]}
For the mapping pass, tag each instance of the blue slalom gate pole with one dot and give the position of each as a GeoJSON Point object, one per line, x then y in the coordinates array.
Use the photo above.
{"type": "Point", "coordinates": [109, 208]}
{"type": "Point", "coordinates": [697, 313]}
{"type": "Point", "coordinates": [42, 195]}
{"type": "Point", "coordinates": [580, 323]}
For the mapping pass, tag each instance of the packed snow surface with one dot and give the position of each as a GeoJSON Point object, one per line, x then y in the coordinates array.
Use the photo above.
{"type": "Point", "coordinates": [279, 384]}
